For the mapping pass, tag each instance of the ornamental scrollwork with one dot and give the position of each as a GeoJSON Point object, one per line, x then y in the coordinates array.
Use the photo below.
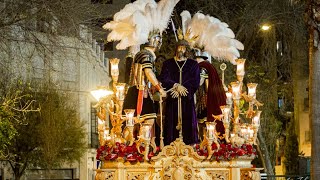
{"type": "Point", "coordinates": [218, 174]}
{"type": "Point", "coordinates": [136, 175]}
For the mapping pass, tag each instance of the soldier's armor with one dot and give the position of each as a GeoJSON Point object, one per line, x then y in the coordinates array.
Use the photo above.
{"type": "Point", "coordinates": [143, 59]}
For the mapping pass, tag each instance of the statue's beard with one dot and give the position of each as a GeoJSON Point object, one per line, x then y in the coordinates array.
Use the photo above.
{"type": "Point", "coordinates": [181, 55]}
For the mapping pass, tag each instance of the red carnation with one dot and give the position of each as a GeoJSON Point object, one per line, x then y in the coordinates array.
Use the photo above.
{"type": "Point", "coordinates": [241, 152]}
{"type": "Point", "coordinates": [229, 147]}
{"type": "Point", "coordinates": [214, 146]}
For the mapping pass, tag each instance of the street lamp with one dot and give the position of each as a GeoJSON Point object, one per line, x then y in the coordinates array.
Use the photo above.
{"type": "Point", "coordinates": [265, 27]}
{"type": "Point", "coordinates": [103, 125]}
{"type": "Point", "coordinates": [100, 93]}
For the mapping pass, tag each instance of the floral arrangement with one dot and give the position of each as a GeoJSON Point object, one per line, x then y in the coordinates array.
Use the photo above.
{"type": "Point", "coordinates": [128, 153]}
{"type": "Point", "coordinates": [227, 151]}
{"type": "Point", "coordinates": [131, 154]}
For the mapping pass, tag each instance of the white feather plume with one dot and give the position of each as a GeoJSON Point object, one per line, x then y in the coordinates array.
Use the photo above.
{"type": "Point", "coordinates": [132, 25]}
{"type": "Point", "coordinates": [129, 9]}
{"type": "Point", "coordinates": [163, 14]}
{"type": "Point", "coordinates": [214, 36]}
{"type": "Point", "coordinates": [185, 18]}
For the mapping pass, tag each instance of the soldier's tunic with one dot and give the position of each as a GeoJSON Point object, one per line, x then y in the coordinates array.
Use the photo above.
{"type": "Point", "coordinates": [142, 60]}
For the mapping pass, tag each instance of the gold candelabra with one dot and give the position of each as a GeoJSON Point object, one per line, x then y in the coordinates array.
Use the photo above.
{"type": "Point", "coordinates": [109, 110]}
{"type": "Point", "coordinates": [241, 132]}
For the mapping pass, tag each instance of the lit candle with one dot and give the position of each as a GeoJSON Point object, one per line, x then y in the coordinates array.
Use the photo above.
{"type": "Point", "coordinates": [114, 66]}
{"type": "Point", "coordinates": [129, 116]}
{"type": "Point", "coordinates": [232, 135]}
{"type": "Point", "coordinates": [106, 134]}
{"type": "Point", "coordinates": [146, 131]}
{"type": "Point", "coordinates": [235, 90]}
{"type": "Point", "coordinates": [252, 89]}
{"type": "Point", "coordinates": [225, 111]}
{"type": "Point", "coordinates": [229, 98]}
{"type": "Point", "coordinates": [120, 91]}
{"type": "Point", "coordinates": [251, 132]}
{"type": "Point", "coordinates": [244, 132]}
{"type": "Point", "coordinates": [108, 138]}
{"type": "Point", "coordinates": [210, 129]}
{"type": "Point", "coordinates": [240, 67]}
{"type": "Point", "coordinates": [100, 121]}
{"type": "Point", "coordinates": [256, 119]}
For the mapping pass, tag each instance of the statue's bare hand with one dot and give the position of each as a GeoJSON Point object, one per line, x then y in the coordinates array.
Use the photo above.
{"type": "Point", "coordinates": [174, 94]}
{"type": "Point", "coordinates": [182, 90]}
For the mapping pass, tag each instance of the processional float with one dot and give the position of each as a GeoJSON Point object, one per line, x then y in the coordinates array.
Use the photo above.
{"type": "Point", "coordinates": [124, 155]}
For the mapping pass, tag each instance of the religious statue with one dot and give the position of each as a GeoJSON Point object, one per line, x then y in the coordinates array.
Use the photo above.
{"type": "Point", "coordinates": [181, 76]}
{"type": "Point", "coordinates": [139, 96]}
{"type": "Point", "coordinates": [210, 95]}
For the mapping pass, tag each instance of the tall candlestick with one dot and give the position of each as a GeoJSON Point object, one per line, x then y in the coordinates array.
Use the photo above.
{"type": "Point", "coordinates": [129, 116]}
{"type": "Point", "coordinates": [229, 98]}
{"type": "Point", "coordinates": [114, 70]}
{"type": "Point", "coordinates": [211, 129]}
{"type": "Point", "coordinates": [252, 89]}
{"type": "Point", "coordinates": [256, 119]}
{"type": "Point", "coordinates": [235, 90]}
{"type": "Point", "coordinates": [240, 69]}
{"type": "Point", "coordinates": [120, 91]}
{"type": "Point", "coordinates": [225, 112]}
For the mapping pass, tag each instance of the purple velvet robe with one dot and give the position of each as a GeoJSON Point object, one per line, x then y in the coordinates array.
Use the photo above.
{"type": "Point", "coordinates": [190, 80]}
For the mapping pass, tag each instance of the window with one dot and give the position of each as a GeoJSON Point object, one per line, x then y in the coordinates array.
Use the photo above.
{"type": "Point", "coordinates": [94, 127]}
{"type": "Point", "coordinates": [280, 103]}
{"type": "Point", "coordinates": [105, 62]}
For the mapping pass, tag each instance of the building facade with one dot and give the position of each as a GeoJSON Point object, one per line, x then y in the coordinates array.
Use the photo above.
{"type": "Point", "coordinates": [74, 64]}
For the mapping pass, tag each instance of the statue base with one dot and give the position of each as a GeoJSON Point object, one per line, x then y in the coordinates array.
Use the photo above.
{"type": "Point", "coordinates": [178, 161]}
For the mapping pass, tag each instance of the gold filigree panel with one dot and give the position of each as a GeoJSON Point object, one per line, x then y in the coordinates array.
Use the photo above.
{"type": "Point", "coordinates": [103, 175]}
{"type": "Point", "coordinates": [178, 168]}
{"type": "Point", "coordinates": [136, 175]}
{"type": "Point", "coordinates": [249, 175]}
{"type": "Point", "coordinates": [218, 174]}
